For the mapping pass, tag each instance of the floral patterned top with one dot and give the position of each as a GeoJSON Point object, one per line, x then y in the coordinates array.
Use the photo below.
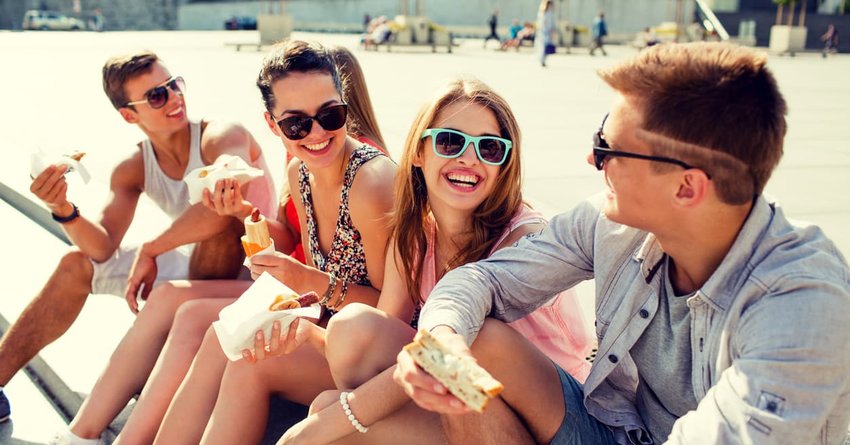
{"type": "Point", "coordinates": [346, 258]}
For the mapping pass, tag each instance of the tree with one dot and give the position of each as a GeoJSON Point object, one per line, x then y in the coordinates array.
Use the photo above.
{"type": "Point", "coordinates": [780, 5]}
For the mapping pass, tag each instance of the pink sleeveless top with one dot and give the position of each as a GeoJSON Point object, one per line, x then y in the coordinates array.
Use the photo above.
{"type": "Point", "coordinates": [558, 329]}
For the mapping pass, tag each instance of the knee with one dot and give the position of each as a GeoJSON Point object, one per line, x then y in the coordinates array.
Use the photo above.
{"type": "Point", "coordinates": [349, 334]}
{"type": "Point", "coordinates": [490, 342]}
{"type": "Point", "coordinates": [163, 297]}
{"type": "Point", "coordinates": [76, 264]}
{"type": "Point", "coordinates": [324, 400]}
{"type": "Point", "coordinates": [192, 322]}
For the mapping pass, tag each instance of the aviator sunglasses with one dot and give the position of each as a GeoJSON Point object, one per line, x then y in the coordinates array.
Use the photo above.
{"type": "Point", "coordinates": [451, 144]}
{"type": "Point", "coordinates": [298, 127]}
{"type": "Point", "coordinates": [157, 96]}
{"type": "Point", "coordinates": [602, 150]}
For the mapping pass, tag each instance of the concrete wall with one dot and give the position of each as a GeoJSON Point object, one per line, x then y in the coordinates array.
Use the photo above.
{"type": "Point", "coordinates": [815, 23]}
{"type": "Point", "coordinates": [622, 16]}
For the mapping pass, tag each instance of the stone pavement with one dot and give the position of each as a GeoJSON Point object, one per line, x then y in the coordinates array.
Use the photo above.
{"type": "Point", "coordinates": [53, 100]}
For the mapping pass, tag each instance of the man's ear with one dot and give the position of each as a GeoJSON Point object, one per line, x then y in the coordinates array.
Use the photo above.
{"type": "Point", "coordinates": [692, 188]}
{"type": "Point", "coordinates": [271, 123]}
{"type": "Point", "coordinates": [129, 116]}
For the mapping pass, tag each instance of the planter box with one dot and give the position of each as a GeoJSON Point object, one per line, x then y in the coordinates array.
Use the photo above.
{"type": "Point", "coordinates": [787, 39]}
{"type": "Point", "coordinates": [274, 28]}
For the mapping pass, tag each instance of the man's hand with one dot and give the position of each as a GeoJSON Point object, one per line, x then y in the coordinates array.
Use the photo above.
{"type": "Point", "coordinates": [425, 390]}
{"type": "Point", "coordinates": [51, 188]}
{"type": "Point", "coordinates": [279, 265]}
{"type": "Point", "coordinates": [227, 199]}
{"type": "Point", "coordinates": [280, 343]}
{"type": "Point", "coordinates": [143, 272]}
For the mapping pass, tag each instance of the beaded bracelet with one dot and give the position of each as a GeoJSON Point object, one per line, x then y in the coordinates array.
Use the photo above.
{"type": "Point", "coordinates": [330, 292]}
{"type": "Point", "coordinates": [343, 400]}
{"type": "Point", "coordinates": [342, 293]}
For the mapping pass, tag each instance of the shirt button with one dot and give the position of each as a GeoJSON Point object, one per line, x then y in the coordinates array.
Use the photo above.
{"type": "Point", "coordinates": [613, 358]}
{"type": "Point", "coordinates": [644, 313]}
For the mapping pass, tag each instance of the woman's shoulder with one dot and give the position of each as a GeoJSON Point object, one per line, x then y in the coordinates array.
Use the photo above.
{"type": "Point", "coordinates": [526, 220]}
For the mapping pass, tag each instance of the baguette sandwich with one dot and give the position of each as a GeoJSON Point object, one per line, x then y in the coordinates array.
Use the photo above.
{"type": "Point", "coordinates": [461, 375]}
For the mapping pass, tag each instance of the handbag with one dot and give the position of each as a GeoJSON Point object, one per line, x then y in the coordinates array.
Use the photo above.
{"type": "Point", "coordinates": [549, 48]}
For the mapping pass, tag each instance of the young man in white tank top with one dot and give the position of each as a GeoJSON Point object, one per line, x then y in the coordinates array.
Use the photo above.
{"type": "Point", "coordinates": [143, 91]}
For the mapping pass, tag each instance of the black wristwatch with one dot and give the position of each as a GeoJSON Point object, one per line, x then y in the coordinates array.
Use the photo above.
{"type": "Point", "coordinates": [66, 219]}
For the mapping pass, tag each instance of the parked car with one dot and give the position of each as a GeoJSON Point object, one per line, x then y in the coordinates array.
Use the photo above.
{"type": "Point", "coordinates": [241, 22]}
{"type": "Point", "coordinates": [51, 20]}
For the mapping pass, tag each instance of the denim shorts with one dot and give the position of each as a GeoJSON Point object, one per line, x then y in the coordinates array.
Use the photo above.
{"type": "Point", "coordinates": [578, 426]}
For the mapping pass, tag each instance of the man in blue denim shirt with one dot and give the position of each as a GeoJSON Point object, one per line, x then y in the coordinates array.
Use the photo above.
{"type": "Point", "coordinates": [718, 320]}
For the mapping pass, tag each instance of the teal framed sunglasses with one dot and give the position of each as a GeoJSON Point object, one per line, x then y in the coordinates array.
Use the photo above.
{"type": "Point", "coordinates": [451, 144]}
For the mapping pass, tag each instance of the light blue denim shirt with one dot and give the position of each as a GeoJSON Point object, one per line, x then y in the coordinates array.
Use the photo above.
{"type": "Point", "coordinates": [770, 329]}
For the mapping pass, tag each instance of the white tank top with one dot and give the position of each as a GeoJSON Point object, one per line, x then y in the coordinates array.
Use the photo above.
{"type": "Point", "coordinates": [171, 195]}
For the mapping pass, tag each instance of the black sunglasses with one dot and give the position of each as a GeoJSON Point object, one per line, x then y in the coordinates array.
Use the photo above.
{"type": "Point", "coordinates": [157, 96]}
{"type": "Point", "coordinates": [298, 127]}
{"type": "Point", "coordinates": [602, 150]}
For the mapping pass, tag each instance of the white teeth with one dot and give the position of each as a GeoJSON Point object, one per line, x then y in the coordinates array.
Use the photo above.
{"type": "Point", "coordinates": [175, 112]}
{"type": "Point", "coordinates": [317, 147]}
{"type": "Point", "coordinates": [463, 180]}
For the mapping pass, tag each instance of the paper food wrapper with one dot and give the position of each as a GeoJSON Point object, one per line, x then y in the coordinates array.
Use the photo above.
{"type": "Point", "coordinates": [267, 251]}
{"type": "Point", "coordinates": [225, 167]}
{"type": "Point", "coordinates": [39, 161]}
{"type": "Point", "coordinates": [239, 322]}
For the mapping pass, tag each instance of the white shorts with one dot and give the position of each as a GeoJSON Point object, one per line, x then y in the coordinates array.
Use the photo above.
{"type": "Point", "coordinates": [110, 277]}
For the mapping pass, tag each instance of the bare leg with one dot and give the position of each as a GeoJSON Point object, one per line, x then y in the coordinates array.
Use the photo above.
{"type": "Point", "coordinates": [530, 409]}
{"type": "Point", "coordinates": [49, 314]}
{"type": "Point", "coordinates": [219, 257]}
{"type": "Point", "coordinates": [131, 364]}
{"type": "Point", "coordinates": [362, 342]}
{"type": "Point", "coordinates": [193, 403]}
{"type": "Point", "coordinates": [416, 426]}
{"type": "Point", "coordinates": [242, 408]}
{"type": "Point", "coordinates": [191, 322]}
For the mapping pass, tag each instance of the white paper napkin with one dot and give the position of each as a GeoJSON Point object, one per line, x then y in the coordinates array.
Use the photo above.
{"type": "Point", "coordinates": [39, 161]}
{"type": "Point", "coordinates": [225, 167]}
{"type": "Point", "coordinates": [267, 251]}
{"type": "Point", "coordinates": [239, 322]}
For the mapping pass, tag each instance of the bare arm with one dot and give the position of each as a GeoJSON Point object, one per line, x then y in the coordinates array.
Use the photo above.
{"type": "Point", "coordinates": [199, 223]}
{"type": "Point", "coordinates": [98, 240]}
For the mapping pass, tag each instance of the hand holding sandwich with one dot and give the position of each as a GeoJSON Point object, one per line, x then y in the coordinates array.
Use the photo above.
{"type": "Point", "coordinates": [424, 389]}
{"type": "Point", "coordinates": [227, 199]}
{"type": "Point", "coordinates": [298, 332]}
{"type": "Point", "coordinates": [51, 187]}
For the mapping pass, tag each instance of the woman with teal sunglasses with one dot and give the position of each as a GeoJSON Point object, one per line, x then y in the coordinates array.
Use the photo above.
{"type": "Point", "coordinates": [453, 206]}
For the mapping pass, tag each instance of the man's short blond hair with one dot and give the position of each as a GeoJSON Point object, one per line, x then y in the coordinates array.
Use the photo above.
{"type": "Point", "coordinates": [119, 69]}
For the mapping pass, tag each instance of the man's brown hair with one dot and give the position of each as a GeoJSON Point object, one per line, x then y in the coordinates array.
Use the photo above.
{"type": "Point", "coordinates": [119, 69]}
{"type": "Point", "coordinates": [714, 95]}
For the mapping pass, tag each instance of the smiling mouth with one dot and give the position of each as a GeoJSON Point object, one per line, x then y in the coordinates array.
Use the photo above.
{"type": "Point", "coordinates": [466, 181]}
{"type": "Point", "coordinates": [317, 147]}
{"type": "Point", "coordinates": [175, 112]}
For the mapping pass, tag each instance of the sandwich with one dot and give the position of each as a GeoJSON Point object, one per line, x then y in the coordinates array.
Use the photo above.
{"type": "Point", "coordinates": [294, 301]}
{"type": "Point", "coordinates": [256, 236]}
{"type": "Point", "coordinates": [461, 375]}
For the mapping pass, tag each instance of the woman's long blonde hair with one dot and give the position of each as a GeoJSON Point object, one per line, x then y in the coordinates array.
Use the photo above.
{"type": "Point", "coordinates": [412, 208]}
